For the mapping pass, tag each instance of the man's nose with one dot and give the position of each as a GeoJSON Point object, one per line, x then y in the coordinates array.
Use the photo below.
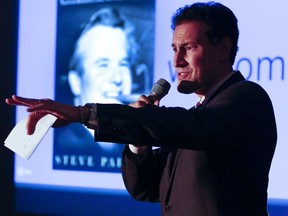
{"type": "Point", "coordinates": [116, 76]}
{"type": "Point", "coordinates": [179, 59]}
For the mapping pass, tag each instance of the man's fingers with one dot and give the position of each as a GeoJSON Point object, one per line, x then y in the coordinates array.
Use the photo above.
{"type": "Point", "coordinates": [157, 103]}
{"type": "Point", "coordinates": [16, 100]}
{"type": "Point", "coordinates": [26, 101]}
{"type": "Point", "coordinates": [11, 102]}
{"type": "Point", "coordinates": [145, 99]}
{"type": "Point", "coordinates": [33, 119]}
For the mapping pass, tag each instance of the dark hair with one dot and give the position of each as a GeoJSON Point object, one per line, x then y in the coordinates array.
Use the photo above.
{"type": "Point", "coordinates": [220, 20]}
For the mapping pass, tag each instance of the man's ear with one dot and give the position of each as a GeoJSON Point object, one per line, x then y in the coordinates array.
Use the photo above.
{"type": "Point", "coordinates": [225, 46]}
{"type": "Point", "coordinates": [74, 80]}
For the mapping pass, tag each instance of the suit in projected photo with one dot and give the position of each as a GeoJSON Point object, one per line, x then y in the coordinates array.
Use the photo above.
{"type": "Point", "coordinates": [104, 54]}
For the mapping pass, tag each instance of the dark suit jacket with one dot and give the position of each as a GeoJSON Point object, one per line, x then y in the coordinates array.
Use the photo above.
{"type": "Point", "coordinates": [213, 160]}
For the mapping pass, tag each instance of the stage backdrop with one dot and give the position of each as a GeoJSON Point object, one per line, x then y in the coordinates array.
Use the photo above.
{"type": "Point", "coordinates": [262, 57]}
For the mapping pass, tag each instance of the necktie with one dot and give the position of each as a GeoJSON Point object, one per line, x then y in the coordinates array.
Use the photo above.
{"type": "Point", "coordinates": [198, 105]}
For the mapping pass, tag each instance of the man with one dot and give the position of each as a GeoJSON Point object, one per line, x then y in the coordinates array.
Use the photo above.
{"type": "Point", "coordinates": [101, 70]}
{"type": "Point", "coordinates": [214, 159]}
{"type": "Point", "coordinates": [104, 57]}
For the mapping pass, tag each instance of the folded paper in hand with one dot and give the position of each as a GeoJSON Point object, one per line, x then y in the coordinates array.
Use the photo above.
{"type": "Point", "coordinates": [23, 144]}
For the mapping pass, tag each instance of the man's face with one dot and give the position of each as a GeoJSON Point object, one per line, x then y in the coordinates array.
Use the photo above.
{"type": "Point", "coordinates": [106, 66]}
{"type": "Point", "coordinates": [195, 58]}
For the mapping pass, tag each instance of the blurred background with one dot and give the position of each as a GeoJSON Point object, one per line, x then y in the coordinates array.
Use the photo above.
{"type": "Point", "coordinates": [8, 53]}
{"type": "Point", "coordinates": [262, 58]}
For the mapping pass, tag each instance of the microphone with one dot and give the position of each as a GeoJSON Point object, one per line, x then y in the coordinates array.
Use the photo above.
{"type": "Point", "coordinates": [159, 90]}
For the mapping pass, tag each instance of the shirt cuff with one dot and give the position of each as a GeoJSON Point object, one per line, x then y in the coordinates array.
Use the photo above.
{"type": "Point", "coordinates": [92, 122]}
{"type": "Point", "coordinates": [137, 150]}
{"type": "Point", "coordinates": [137, 158]}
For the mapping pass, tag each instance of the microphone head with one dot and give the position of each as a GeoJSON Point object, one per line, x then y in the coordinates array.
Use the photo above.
{"type": "Point", "coordinates": [160, 89]}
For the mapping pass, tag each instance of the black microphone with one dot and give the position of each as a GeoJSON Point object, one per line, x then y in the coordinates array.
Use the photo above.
{"type": "Point", "coordinates": [159, 90]}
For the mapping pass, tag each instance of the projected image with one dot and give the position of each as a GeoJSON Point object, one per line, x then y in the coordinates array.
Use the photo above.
{"type": "Point", "coordinates": [98, 60]}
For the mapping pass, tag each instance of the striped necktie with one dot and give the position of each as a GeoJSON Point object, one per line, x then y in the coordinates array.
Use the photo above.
{"type": "Point", "coordinates": [198, 105]}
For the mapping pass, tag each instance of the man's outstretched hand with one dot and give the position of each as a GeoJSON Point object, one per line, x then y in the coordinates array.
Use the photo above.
{"type": "Point", "coordinates": [38, 108]}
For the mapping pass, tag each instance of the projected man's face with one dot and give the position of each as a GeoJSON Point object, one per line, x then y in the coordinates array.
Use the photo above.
{"type": "Point", "coordinates": [105, 66]}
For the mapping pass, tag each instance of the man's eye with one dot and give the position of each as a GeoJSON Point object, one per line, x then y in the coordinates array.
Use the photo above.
{"type": "Point", "coordinates": [189, 47]}
{"type": "Point", "coordinates": [124, 63]}
{"type": "Point", "coordinates": [103, 65]}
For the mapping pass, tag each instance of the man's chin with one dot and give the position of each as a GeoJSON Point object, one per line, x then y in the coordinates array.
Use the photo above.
{"type": "Point", "coordinates": [187, 87]}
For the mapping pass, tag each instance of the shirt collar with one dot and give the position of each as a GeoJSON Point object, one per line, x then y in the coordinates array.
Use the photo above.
{"type": "Point", "coordinates": [214, 88]}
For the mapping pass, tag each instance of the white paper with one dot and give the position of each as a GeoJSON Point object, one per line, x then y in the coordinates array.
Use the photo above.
{"type": "Point", "coordinates": [24, 145]}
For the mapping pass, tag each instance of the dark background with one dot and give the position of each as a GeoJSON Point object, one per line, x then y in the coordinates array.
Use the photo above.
{"type": "Point", "coordinates": [8, 48]}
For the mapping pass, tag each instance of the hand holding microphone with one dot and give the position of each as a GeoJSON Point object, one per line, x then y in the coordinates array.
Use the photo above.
{"type": "Point", "coordinates": [159, 90]}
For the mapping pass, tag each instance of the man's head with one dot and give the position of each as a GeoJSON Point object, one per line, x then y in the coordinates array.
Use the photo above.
{"type": "Point", "coordinates": [100, 68]}
{"type": "Point", "coordinates": [205, 44]}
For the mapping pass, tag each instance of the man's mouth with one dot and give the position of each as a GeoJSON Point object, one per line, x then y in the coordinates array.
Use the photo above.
{"type": "Point", "coordinates": [112, 93]}
{"type": "Point", "coordinates": [182, 75]}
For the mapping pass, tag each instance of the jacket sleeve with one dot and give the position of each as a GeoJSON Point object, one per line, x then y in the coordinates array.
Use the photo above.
{"type": "Point", "coordinates": [234, 119]}
{"type": "Point", "coordinates": [142, 174]}
{"type": "Point", "coordinates": [239, 124]}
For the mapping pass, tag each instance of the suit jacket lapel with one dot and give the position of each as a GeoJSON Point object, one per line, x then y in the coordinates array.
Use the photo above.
{"type": "Point", "coordinates": [172, 175]}
{"type": "Point", "coordinates": [236, 77]}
